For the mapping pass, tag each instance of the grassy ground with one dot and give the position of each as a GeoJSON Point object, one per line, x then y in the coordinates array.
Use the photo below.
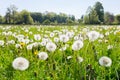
{"type": "Point", "coordinates": [57, 66]}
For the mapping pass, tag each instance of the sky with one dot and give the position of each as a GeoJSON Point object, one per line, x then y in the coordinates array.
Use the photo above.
{"type": "Point", "coordinates": [73, 7]}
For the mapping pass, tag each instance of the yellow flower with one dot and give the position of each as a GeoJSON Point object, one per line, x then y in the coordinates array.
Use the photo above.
{"type": "Point", "coordinates": [26, 34]}
{"type": "Point", "coordinates": [118, 32]}
{"type": "Point", "coordinates": [36, 52]}
{"type": "Point", "coordinates": [22, 44]}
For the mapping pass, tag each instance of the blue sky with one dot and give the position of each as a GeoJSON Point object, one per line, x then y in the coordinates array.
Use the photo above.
{"type": "Point", "coordinates": [75, 7]}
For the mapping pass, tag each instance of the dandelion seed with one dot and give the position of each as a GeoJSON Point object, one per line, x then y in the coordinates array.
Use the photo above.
{"type": "Point", "coordinates": [18, 46]}
{"type": "Point", "coordinates": [105, 61]}
{"type": "Point", "coordinates": [37, 37]}
{"type": "Point", "coordinates": [93, 35]}
{"type": "Point", "coordinates": [42, 55]}
{"type": "Point", "coordinates": [64, 38]}
{"type": "Point", "coordinates": [109, 46]}
{"type": "Point", "coordinates": [43, 43]}
{"type": "Point", "coordinates": [56, 39]}
{"type": "Point", "coordinates": [79, 59]}
{"type": "Point", "coordinates": [1, 42]}
{"type": "Point", "coordinates": [69, 57]}
{"type": "Point", "coordinates": [51, 47]}
{"type": "Point", "coordinates": [77, 45]}
{"type": "Point", "coordinates": [20, 63]}
{"type": "Point", "coordinates": [52, 34]}
{"type": "Point", "coordinates": [29, 47]}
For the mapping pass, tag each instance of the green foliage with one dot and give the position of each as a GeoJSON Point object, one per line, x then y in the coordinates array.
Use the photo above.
{"type": "Point", "coordinates": [58, 66]}
{"type": "Point", "coordinates": [26, 18]}
{"type": "Point", "coordinates": [46, 22]}
{"type": "Point", "coordinates": [100, 11]}
{"type": "Point", "coordinates": [91, 17]}
{"type": "Point", "coordinates": [1, 19]}
{"type": "Point", "coordinates": [108, 18]}
{"type": "Point", "coordinates": [86, 19]}
{"type": "Point", "coordinates": [37, 17]}
{"type": "Point", "coordinates": [117, 17]}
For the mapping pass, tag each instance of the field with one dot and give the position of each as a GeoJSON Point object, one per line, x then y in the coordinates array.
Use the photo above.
{"type": "Point", "coordinates": [59, 52]}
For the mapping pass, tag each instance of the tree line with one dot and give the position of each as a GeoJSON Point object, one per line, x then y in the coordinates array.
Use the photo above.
{"type": "Point", "coordinates": [93, 15]}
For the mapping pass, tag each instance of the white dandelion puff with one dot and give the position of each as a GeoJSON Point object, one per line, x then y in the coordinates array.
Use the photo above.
{"type": "Point", "coordinates": [1, 42]}
{"type": "Point", "coordinates": [93, 35]}
{"type": "Point", "coordinates": [109, 46]}
{"type": "Point", "coordinates": [43, 55]}
{"type": "Point", "coordinates": [52, 34]}
{"type": "Point", "coordinates": [29, 47]}
{"type": "Point", "coordinates": [37, 37]}
{"type": "Point", "coordinates": [64, 38]}
{"type": "Point", "coordinates": [18, 46]}
{"type": "Point", "coordinates": [51, 47]}
{"type": "Point", "coordinates": [105, 61]}
{"type": "Point", "coordinates": [69, 57]}
{"type": "Point", "coordinates": [77, 45]}
{"type": "Point", "coordinates": [20, 63]}
{"type": "Point", "coordinates": [79, 59]}
{"type": "Point", "coordinates": [56, 39]}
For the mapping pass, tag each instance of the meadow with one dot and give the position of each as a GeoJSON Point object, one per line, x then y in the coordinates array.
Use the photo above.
{"type": "Point", "coordinates": [59, 52]}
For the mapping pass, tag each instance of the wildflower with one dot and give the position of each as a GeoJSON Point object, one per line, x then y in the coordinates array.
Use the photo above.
{"type": "Point", "coordinates": [52, 34]}
{"type": "Point", "coordinates": [35, 44]}
{"type": "Point", "coordinates": [26, 41]}
{"type": "Point", "coordinates": [35, 52]}
{"type": "Point", "coordinates": [30, 33]}
{"type": "Point", "coordinates": [22, 44]}
{"type": "Point", "coordinates": [79, 59]}
{"type": "Point", "coordinates": [20, 63]}
{"type": "Point", "coordinates": [29, 47]}
{"type": "Point", "coordinates": [11, 42]}
{"type": "Point", "coordinates": [101, 36]}
{"type": "Point", "coordinates": [18, 46]}
{"type": "Point", "coordinates": [51, 46]}
{"type": "Point", "coordinates": [1, 42]}
{"type": "Point", "coordinates": [76, 38]}
{"type": "Point", "coordinates": [43, 43]}
{"type": "Point", "coordinates": [105, 61]}
{"type": "Point", "coordinates": [107, 33]}
{"type": "Point", "coordinates": [93, 35]}
{"type": "Point", "coordinates": [63, 48]}
{"type": "Point", "coordinates": [37, 37]}
{"type": "Point", "coordinates": [20, 36]}
{"type": "Point", "coordinates": [70, 34]}
{"type": "Point", "coordinates": [64, 38]}
{"type": "Point", "coordinates": [42, 55]}
{"type": "Point", "coordinates": [77, 45]}
{"type": "Point", "coordinates": [56, 39]}
{"type": "Point", "coordinates": [69, 57]}
{"type": "Point", "coordinates": [109, 46]}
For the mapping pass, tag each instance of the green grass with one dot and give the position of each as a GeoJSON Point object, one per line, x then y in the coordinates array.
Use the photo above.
{"type": "Point", "coordinates": [57, 66]}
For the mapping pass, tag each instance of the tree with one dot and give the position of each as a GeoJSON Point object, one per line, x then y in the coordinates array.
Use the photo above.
{"type": "Point", "coordinates": [91, 16]}
{"type": "Point", "coordinates": [8, 16]}
{"type": "Point", "coordinates": [81, 19]}
{"type": "Point", "coordinates": [86, 19]}
{"type": "Point", "coordinates": [117, 17]}
{"type": "Point", "coordinates": [1, 19]}
{"type": "Point", "coordinates": [100, 11]}
{"type": "Point", "coordinates": [26, 18]}
{"type": "Point", "coordinates": [13, 12]}
{"type": "Point", "coordinates": [37, 17]}
{"type": "Point", "coordinates": [46, 22]}
{"type": "Point", "coordinates": [108, 18]}
{"type": "Point", "coordinates": [69, 21]}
